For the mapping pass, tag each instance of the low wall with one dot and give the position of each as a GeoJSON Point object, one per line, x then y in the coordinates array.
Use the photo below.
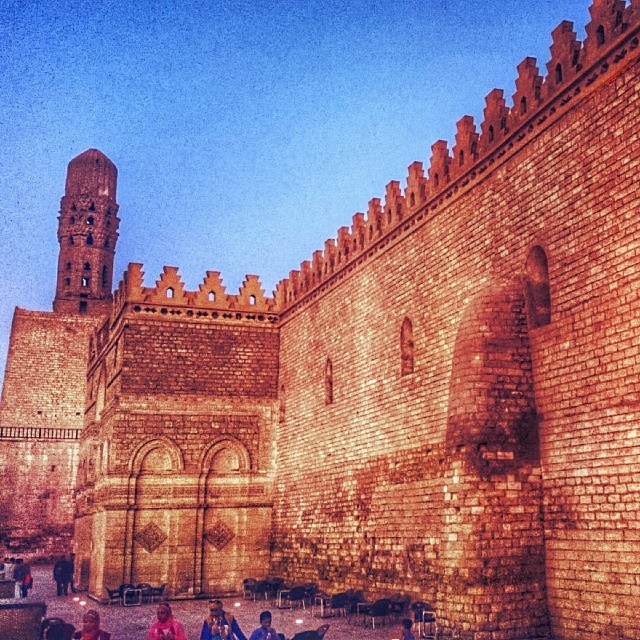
{"type": "Point", "coordinates": [21, 619]}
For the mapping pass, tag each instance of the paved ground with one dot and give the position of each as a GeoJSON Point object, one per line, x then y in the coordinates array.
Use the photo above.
{"type": "Point", "coordinates": [131, 623]}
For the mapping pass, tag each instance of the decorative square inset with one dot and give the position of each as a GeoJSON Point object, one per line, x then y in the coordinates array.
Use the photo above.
{"type": "Point", "coordinates": [151, 537]}
{"type": "Point", "coordinates": [219, 536]}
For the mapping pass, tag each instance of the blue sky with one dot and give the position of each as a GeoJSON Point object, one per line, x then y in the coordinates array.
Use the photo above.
{"type": "Point", "coordinates": [245, 133]}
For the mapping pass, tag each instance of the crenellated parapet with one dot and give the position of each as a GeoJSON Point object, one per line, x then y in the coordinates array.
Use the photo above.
{"type": "Point", "coordinates": [211, 300]}
{"type": "Point", "coordinates": [574, 66]}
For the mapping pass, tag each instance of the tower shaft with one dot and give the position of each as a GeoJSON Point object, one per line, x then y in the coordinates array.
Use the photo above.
{"type": "Point", "coordinates": [87, 233]}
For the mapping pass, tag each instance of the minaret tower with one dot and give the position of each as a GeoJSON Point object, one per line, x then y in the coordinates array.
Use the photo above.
{"type": "Point", "coordinates": [87, 233]}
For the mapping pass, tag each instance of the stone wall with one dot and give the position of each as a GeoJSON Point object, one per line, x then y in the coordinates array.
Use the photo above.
{"type": "Point", "coordinates": [46, 370]}
{"type": "Point", "coordinates": [178, 456]}
{"type": "Point", "coordinates": [497, 475]}
{"type": "Point", "coordinates": [41, 415]}
{"type": "Point", "coordinates": [41, 473]}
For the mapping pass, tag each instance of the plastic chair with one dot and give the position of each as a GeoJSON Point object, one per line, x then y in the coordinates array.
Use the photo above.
{"type": "Point", "coordinates": [423, 615]}
{"type": "Point", "coordinates": [114, 595]}
{"type": "Point", "coordinates": [146, 591]}
{"type": "Point", "coordinates": [249, 588]}
{"type": "Point", "coordinates": [157, 593]}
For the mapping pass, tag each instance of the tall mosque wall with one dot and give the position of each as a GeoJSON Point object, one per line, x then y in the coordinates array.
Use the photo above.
{"type": "Point", "coordinates": [442, 401]}
{"type": "Point", "coordinates": [477, 407]}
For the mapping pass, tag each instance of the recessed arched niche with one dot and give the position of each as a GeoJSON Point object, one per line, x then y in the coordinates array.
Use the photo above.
{"type": "Point", "coordinates": [537, 287]}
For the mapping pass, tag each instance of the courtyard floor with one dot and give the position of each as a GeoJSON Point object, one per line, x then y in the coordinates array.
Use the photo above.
{"type": "Point", "coordinates": [132, 623]}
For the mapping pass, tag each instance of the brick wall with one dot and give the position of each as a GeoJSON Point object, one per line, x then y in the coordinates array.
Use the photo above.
{"type": "Point", "coordinates": [392, 464]}
{"type": "Point", "coordinates": [46, 370]}
{"type": "Point", "coordinates": [41, 415]}
{"type": "Point", "coordinates": [177, 457]}
{"type": "Point", "coordinates": [180, 357]}
{"type": "Point", "coordinates": [42, 473]}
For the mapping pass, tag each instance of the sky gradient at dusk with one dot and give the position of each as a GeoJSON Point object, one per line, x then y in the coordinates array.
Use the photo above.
{"type": "Point", "coordinates": [245, 133]}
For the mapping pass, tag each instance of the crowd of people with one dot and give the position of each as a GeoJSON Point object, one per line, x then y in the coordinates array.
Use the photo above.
{"type": "Point", "coordinates": [217, 625]}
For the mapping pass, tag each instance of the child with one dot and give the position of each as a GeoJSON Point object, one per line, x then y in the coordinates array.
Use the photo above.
{"type": "Point", "coordinates": [405, 631]}
{"type": "Point", "coordinates": [265, 631]}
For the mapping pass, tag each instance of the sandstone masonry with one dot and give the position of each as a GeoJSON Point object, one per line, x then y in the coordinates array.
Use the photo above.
{"type": "Point", "coordinates": [443, 401]}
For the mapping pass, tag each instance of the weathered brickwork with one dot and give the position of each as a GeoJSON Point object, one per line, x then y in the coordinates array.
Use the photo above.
{"type": "Point", "coordinates": [214, 360]}
{"type": "Point", "coordinates": [36, 509]}
{"type": "Point", "coordinates": [41, 416]}
{"type": "Point", "coordinates": [46, 370]}
{"type": "Point", "coordinates": [442, 402]}
{"type": "Point", "coordinates": [177, 456]}
{"type": "Point", "coordinates": [524, 432]}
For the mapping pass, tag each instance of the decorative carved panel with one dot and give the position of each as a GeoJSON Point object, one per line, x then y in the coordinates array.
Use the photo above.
{"type": "Point", "coordinates": [151, 537]}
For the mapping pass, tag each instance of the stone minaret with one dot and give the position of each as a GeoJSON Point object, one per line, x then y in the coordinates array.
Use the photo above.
{"type": "Point", "coordinates": [87, 233]}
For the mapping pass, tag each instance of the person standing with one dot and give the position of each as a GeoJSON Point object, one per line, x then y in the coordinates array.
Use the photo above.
{"type": "Point", "coordinates": [58, 575]}
{"type": "Point", "coordinates": [67, 574]}
{"type": "Point", "coordinates": [20, 572]}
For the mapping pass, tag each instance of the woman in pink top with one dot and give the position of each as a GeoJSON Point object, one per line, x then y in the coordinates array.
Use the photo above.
{"type": "Point", "coordinates": [167, 627]}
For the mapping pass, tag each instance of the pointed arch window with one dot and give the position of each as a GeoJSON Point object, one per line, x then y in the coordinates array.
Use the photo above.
{"type": "Point", "coordinates": [328, 382]}
{"type": "Point", "coordinates": [407, 349]}
{"type": "Point", "coordinates": [537, 288]}
{"type": "Point", "coordinates": [89, 239]}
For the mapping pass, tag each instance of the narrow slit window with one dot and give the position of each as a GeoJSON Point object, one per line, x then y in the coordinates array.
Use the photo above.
{"type": "Point", "coordinates": [328, 382]}
{"type": "Point", "coordinates": [170, 292]}
{"type": "Point", "coordinates": [558, 73]}
{"type": "Point", "coordinates": [407, 349]}
{"type": "Point", "coordinates": [523, 106]}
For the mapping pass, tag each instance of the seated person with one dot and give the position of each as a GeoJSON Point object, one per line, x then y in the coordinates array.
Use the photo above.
{"type": "Point", "coordinates": [265, 631]}
{"type": "Point", "coordinates": [405, 632]}
{"type": "Point", "coordinates": [91, 627]}
{"type": "Point", "coordinates": [166, 627]}
{"type": "Point", "coordinates": [220, 625]}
